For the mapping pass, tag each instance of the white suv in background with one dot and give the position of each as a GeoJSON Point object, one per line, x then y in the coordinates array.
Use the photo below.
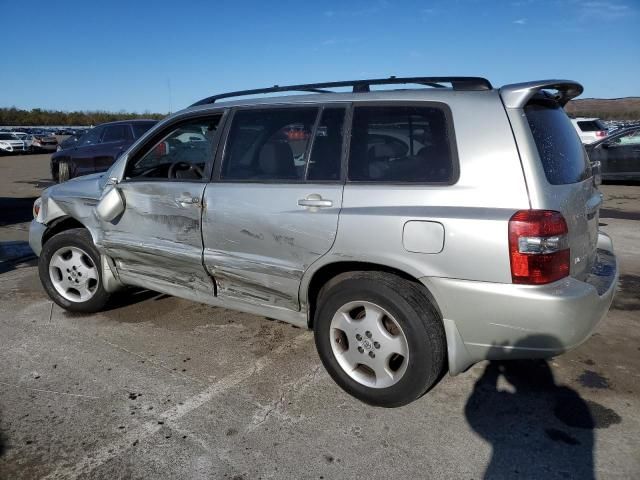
{"type": "Point", "coordinates": [589, 129]}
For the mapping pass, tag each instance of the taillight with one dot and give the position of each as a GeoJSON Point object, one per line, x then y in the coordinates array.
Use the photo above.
{"type": "Point", "coordinates": [601, 133]}
{"type": "Point", "coordinates": [538, 247]}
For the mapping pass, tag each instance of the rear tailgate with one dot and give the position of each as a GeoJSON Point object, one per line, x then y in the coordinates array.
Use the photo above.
{"type": "Point", "coordinates": [555, 164]}
{"type": "Point", "coordinates": [570, 188]}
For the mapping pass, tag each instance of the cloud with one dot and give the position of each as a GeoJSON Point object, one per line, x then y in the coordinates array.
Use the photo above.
{"type": "Point", "coordinates": [520, 21]}
{"type": "Point", "coordinates": [373, 7]}
{"type": "Point", "coordinates": [603, 10]}
{"type": "Point", "coordinates": [340, 42]}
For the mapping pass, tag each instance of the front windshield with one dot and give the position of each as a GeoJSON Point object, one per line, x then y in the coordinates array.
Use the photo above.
{"type": "Point", "coordinates": [7, 136]}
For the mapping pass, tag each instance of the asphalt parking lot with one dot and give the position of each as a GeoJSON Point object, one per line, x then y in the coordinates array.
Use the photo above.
{"type": "Point", "coordinates": [159, 387]}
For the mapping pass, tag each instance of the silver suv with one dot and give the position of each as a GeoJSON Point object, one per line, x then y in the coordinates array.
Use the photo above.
{"type": "Point", "coordinates": [416, 231]}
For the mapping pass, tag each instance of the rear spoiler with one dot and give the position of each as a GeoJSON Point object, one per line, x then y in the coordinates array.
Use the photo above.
{"type": "Point", "coordinates": [517, 95]}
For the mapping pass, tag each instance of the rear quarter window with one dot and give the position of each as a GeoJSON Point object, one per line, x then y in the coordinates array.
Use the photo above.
{"type": "Point", "coordinates": [561, 152]}
{"type": "Point", "coordinates": [591, 125]}
{"type": "Point", "coordinates": [401, 144]}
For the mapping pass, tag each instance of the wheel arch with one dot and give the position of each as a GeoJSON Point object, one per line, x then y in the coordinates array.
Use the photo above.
{"type": "Point", "coordinates": [330, 270]}
{"type": "Point", "coordinates": [62, 224]}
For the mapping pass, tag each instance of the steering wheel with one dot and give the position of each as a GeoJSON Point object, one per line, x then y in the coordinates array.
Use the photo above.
{"type": "Point", "coordinates": [184, 166]}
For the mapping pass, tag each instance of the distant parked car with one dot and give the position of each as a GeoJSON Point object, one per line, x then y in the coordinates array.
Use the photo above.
{"type": "Point", "coordinates": [40, 142]}
{"type": "Point", "coordinates": [9, 143]}
{"type": "Point", "coordinates": [618, 154]}
{"type": "Point", "coordinates": [69, 142]}
{"type": "Point", "coordinates": [589, 129]}
{"type": "Point", "coordinates": [98, 149]}
{"type": "Point", "coordinates": [19, 135]}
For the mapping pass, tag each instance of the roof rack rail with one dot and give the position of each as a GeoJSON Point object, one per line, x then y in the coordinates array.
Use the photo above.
{"type": "Point", "coordinates": [360, 86]}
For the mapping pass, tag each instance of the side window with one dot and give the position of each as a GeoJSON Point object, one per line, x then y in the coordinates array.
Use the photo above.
{"type": "Point", "coordinates": [268, 144]}
{"type": "Point", "coordinates": [140, 128]}
{"type": "Point", "coordinates": [631, 138]}
{"type": "Point", "coordinates": [326, 154]}
{"type": "Point", "coordinates": [182, 153]}
{"type": "Point", "coordinates": [400, 144]}
{"type": "Point", "coordinates": [116, 133]}
{"type": "Point", "coordinates": [91, 137]}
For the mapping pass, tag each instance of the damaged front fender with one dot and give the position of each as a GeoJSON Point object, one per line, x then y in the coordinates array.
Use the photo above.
{"type": "Point", "coordinates": [75, 200]}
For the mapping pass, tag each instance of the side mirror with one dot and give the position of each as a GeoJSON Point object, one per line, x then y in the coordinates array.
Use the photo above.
{"type": "Point", "coordinates": [111, 205]}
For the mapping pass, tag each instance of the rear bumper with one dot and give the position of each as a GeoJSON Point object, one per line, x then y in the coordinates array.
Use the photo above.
{"type": "Point", "coordinates": [495, 321]}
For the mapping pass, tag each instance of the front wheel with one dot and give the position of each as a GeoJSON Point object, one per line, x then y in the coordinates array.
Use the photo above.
{"type": "Point", "coordinates": [63, 171]}
{"type": "Point", "coordinates": [379, 337]}
{"type": "Point", "coordinates": [69, 269]}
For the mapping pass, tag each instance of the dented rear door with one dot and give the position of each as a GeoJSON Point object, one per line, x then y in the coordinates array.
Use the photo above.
{"type": "Point", "coordinates": [272, 213]}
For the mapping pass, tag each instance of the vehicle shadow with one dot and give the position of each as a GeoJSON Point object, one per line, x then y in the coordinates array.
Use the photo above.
{"type": "Point", "coordinates": [14, 253]}
{"type": "Point", "coordinates": [42, 183]}
{"type": "Point", "coordinates": [3, 444]}
{"type": "Point", "coordinates": [15, 210]}
{"type": "Point", "coordinates": [536, 428]}
{"type": "Point", "coordinates": [131, 296]}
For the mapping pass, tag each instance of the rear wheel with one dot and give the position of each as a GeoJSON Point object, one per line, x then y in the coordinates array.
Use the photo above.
{"type": "Point", "coordinates": [379, 337]}
{"type": "Point", "coordinates": [63, 171]}
{"type": "Point", "coordinates": [69, 269]}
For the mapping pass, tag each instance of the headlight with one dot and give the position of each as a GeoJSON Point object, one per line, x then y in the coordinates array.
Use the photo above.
{"type": "Point", "coordinates": [36, 207]}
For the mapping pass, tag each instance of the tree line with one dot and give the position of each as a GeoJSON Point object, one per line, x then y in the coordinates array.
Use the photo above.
{"type": "Point", "coordinates": [606, 114]}
{"type": "Point", "coordinates": [37, 116]}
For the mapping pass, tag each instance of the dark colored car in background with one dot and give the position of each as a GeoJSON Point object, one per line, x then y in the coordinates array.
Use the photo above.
{"type": "Point", "coordinates": [70, 142]}
{"type": "Point", "coordinates": [618, 154]}
{"type": "Point", "coordinates": [98, 149]}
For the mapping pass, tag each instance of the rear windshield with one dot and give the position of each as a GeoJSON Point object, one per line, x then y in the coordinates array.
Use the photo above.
{"type": "Point", "coordinates": [563, 157]}
{"type": "Point", "coordinates": [140, 129]}
{"type": "Point", "coordinates": [591, 125]}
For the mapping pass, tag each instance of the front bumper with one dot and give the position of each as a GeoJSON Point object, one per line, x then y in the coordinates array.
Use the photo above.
{"type": "Point", "coordinates": [495, 321]}
{"type": "Point", "coordinates": [36, 232]}
{"type": "Point", "coordinates": [12, 149]}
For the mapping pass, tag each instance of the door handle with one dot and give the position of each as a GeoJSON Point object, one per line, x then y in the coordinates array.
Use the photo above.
{"type": "Point", "coordinates": [315, 200]}
{"type": "Point", "coordinates": [189, 201]}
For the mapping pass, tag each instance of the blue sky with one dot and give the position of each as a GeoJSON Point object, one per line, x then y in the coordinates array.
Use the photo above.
{"type": "Point", "coordinates": [123, 55]}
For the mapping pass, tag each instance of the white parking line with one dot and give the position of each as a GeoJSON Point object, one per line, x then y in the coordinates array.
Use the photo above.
{"type": "Point", "coordinates": [133, 437]}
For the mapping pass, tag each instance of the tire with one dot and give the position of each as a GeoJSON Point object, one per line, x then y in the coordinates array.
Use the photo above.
{"type": "Point", "coordinates": [69, 269]}
{"type": "Point", "coordinates": [63, 171]}
{"type": "Point", "coordinates": [410, 351]}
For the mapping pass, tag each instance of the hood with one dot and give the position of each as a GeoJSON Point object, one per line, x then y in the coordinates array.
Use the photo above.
{"type": "Point", "coordinates": [77, 198]}
{"type": "Point", "coordinates": [86, 186]}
